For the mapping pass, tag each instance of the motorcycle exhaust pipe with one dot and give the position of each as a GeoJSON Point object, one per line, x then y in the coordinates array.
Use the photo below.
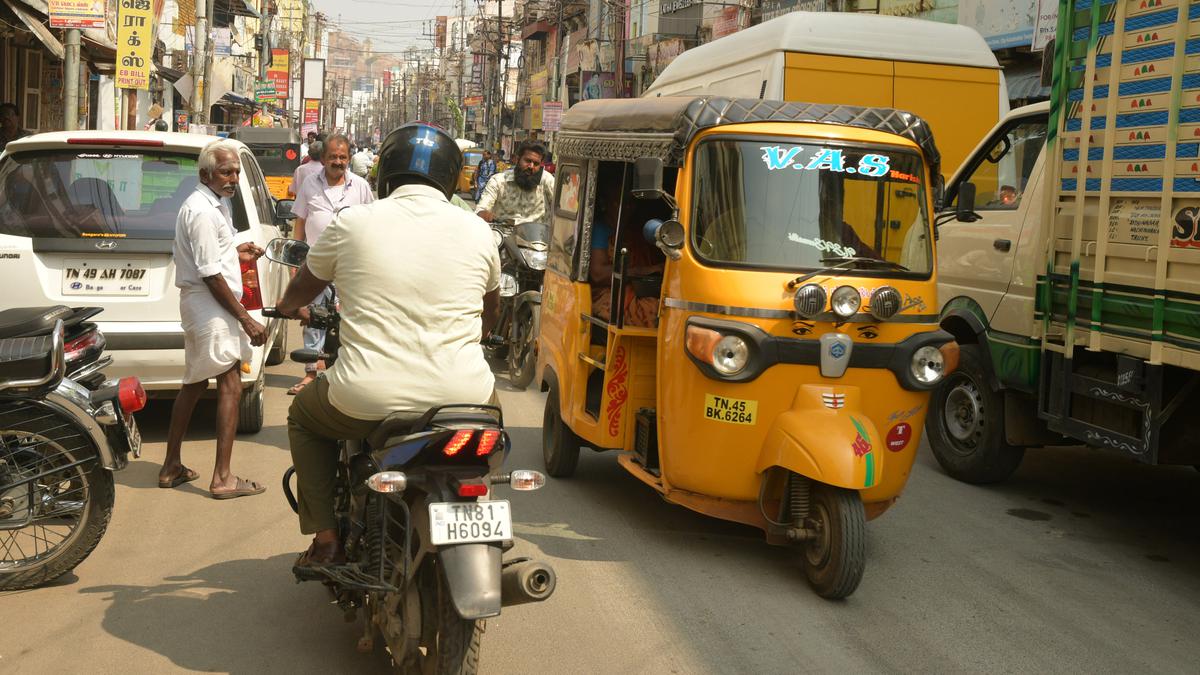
{"type": "Point", "coordinates": [526, 581]}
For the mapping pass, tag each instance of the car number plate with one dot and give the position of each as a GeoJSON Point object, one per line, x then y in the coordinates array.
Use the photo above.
{"type": "Point", "coordinates": [106, 277]}
{"type": "Point", "coordinates": [469, 522]}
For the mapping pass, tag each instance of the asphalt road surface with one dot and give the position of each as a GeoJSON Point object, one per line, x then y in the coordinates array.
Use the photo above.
{"type": "Point", "coordinates": [1082, 562]}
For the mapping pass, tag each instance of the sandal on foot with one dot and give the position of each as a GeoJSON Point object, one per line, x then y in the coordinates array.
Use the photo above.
{"type": "Point", "coordinates": [245, 488]}
{"type": "Point", "coordinates": [299, 386]}
{"type": "Point", "coordinates": [185, 475]}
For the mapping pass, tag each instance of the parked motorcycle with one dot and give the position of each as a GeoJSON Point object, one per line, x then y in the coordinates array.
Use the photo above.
{"type": "Point", "coordinates": [523, 251]}
{"type": "Point", "coordinates": [63, 431]}
{"type": "Point", "coordinates": [422, 533]}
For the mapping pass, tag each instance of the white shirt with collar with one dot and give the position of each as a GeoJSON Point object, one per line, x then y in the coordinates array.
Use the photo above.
{"type": "Point", "coordinates": [317, 201]}
{"type": "Point", "coordinates": [204, 242]}
{"type": "Point", "coordinates": [411, 271]}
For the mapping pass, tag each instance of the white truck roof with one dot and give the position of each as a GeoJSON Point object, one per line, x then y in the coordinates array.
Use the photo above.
{"type": "Point", "coordinates": [837, 34]}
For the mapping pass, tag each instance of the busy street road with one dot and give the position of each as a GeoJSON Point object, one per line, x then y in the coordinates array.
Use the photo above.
{"type": "Point", "coordinates": [1071, 566]}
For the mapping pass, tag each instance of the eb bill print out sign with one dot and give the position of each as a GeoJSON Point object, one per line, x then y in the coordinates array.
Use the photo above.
{"type": "Point", "coordinates": [135, 24]}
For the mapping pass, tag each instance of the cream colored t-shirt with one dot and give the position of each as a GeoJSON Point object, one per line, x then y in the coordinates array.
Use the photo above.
{"type": "Point", "coordinates": [411, 272]}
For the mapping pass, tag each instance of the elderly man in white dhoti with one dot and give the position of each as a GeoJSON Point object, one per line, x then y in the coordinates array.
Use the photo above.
{"type": "Point", "coordinates": [218, 332]}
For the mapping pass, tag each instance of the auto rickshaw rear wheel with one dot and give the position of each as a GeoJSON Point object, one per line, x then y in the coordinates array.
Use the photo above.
{"type": "Point", "coordinates": [560, 445]}
{"type": "Point", "coordinates": [965, 426]}
{"type": "Point", "coordinates": [835, 558]}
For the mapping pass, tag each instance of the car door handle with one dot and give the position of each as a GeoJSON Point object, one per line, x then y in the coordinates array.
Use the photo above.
{"type": "Point", "coordinates": [1002, 245]}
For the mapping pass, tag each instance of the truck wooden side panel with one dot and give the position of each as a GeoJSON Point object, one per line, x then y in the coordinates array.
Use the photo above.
{"type": "Point", "coordinates": [1123, 262]}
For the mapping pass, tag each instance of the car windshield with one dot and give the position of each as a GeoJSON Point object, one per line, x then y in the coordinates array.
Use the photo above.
{"type": "Point", "coordinates": [796, 206]}
{"type": "Point", "coordinates": [94, 193]}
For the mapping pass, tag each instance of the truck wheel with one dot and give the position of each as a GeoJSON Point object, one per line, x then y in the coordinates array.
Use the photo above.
{"type": "Point", "coordinates": [834, 561]}
{"type": "Point", "coordinates": [278, 350]}
{"type": "Point", "coordinates": [965, 425]}
{"type": "Point", "coordinates": [250, 406]}
{"type": "Point", "coordinates": [560, 445]}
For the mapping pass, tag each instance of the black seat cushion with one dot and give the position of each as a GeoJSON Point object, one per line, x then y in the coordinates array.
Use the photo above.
{"type": "Point", "coordinates": [27, 321]}
{"type": "Point", "coordinates": [25, 358]}
{"type": "Point", "coordinates": [404, 423]}
{"type": "Point", "coordinates": [392, 426]}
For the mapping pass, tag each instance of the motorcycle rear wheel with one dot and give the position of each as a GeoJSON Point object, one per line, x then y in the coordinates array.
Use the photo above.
{"type": "Point", "coordinates": [72, 504]}
{"type": "Point", "coordinates": [450, 646]}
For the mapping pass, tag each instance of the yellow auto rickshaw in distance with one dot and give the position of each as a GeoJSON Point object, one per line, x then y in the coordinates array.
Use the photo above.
{"type": "Point", "coordinates": [767, 359]}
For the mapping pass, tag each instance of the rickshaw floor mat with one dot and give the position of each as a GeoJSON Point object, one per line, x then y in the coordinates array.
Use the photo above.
{"type": "Point", "coordinates": [595, 391]}
{"type": "Point", "coordinates": [349, 576]}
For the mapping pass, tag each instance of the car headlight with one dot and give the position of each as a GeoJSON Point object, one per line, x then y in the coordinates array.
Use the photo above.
{"type": "Point", "coordinates": [535, 259]}
{"type": "Point", "coordinates": [508, 285]}
{"type": "Point", "coordinates": [845, 301]}
{"type": "Point", "coordinates": [928, 365]}
{"type": "Point", "coordinates": [730, 355]}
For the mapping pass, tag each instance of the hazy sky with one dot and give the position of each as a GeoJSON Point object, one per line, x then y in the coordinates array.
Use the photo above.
{"type": "Point", "coordinates": [391, 24]}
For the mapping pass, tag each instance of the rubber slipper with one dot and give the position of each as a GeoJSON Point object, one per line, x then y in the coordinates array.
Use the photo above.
{"type": "Point", "coordinates": [245, 488]}
{"type": "Point", "coordinates": [298, 387]}
{"type": "Point", "coordinates": [185, 475]}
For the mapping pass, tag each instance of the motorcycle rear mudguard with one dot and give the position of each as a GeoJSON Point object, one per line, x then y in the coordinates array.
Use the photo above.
{"type": "Point", "coordinates": [473, 575]}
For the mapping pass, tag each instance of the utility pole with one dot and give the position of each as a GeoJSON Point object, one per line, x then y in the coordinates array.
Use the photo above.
{"type": "Point", "coordinates": [462, 64]}
{"type": "Point", "coordinates": [498, 127]}
{"type": "Point", "coordinates": [199, 38]}
{"type": "Point", "coordinates": [71, 75]}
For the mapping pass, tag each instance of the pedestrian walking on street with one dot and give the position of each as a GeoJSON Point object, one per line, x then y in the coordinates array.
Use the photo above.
{"type": "Point", "coordinates": [319, 197]}
{"type": "Point", "coordinates": [303, 171]}
{"type": "Point", "coordinates": [217, 331]}
{"type": "Point", "coordinates": [10, 124]}
{"type": "Point", "coordinates": [484, 173]}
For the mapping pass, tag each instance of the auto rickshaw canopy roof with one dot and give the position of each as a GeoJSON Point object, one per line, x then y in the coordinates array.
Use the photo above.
{"type": "Point", "coordinates": [266, 135]}
{"type": "Point", "coordinates": [626, 129]}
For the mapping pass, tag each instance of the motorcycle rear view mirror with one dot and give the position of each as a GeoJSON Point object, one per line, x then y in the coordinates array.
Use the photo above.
{"type": "Point", "coordinates": [307, 355]}
{"type": "Point", "coordinates": [667, 235]}
{"type": "Point", "coordinates": [290, 252]}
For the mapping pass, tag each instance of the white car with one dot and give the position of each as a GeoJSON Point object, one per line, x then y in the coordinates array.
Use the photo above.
{"type": "Point", "coordinates": [87, 218]}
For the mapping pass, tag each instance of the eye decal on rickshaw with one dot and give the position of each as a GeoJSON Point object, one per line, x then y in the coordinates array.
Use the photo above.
{"type": "Point", "coordinates": [802, 327]}
{"type": "Point", "coordinates": [868, 332]}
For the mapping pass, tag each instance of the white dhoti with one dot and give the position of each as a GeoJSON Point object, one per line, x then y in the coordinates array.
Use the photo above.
{"type": "Point", "coordinates": [213, 341]}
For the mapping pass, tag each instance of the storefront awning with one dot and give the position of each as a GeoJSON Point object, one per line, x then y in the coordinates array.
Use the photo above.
{"type": "Point", "coordinates": [1025, 83]}
{"type": "Point", "coordinates": [535, 28]}
{"type": "Point", "coordinates": [35, 26]}
{"type": "Point", "coordinates": [238, 7]}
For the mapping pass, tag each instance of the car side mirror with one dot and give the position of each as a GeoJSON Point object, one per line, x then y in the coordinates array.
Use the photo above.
{"type": "Point", "coordinates": [290, 252]}
{"type": "Point", "coordinates": [667, 235]}
{"type": "Point", "coordinates": [647, 182]}
{"type": "Point", "coordinates": [965, 208]}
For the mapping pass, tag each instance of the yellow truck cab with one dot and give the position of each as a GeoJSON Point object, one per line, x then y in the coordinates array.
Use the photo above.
{"type": "Point", "coordinates": [944, 73]}
{"type": "Point", "coordinates": [1069, 262]}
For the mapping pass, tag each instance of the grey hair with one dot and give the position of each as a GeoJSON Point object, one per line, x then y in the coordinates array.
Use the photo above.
{"type": "Point", "coordinates": [208, 156]}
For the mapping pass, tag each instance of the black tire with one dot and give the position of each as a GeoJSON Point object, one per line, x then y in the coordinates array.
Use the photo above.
{"type": "Point", "coordinates": [452, 644]}
{"type": "Point", "coordinates": [523, 359]}
{"type": "Point", "coordinates": [560, 445]}
{"type": "Point", "coordinates": [965, 425]}
{"type": "Point", "coordinates": [278, 353]}
{"type": "Point", "coordinates": [251, 406]}
{"type": "Point", "coordinates": [835, 560]}
{"type": "Point", "coordinates": [89, 482]}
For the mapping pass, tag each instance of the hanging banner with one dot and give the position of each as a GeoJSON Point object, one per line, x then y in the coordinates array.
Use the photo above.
{"type": "Point", "coordinates": [439, 33]}
{"type": "Point", "coordinates": [135, 23]}
{"type": "Point", "coordinates": [77, 14]}
{"type": "Point", "coordinates": [264, 91]}
{"type": "Point", "coordinates": [279, 72]}
{"type": "Point", "coordinates": [222, 42]}
{"type": "Point", "coordinates": [312, 110]}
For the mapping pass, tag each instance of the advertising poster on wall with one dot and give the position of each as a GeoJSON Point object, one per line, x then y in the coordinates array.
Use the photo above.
{"type": "Point", "coordinates": [1003, 23]}
{"type": "Point", "coordinates": [77, 14]}
{"type": "Point", "coordinates": [279, 72]}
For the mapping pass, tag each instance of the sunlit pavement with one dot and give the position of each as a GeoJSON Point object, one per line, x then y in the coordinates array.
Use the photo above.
{"type": "Point", "coordinates": [1083, 562]}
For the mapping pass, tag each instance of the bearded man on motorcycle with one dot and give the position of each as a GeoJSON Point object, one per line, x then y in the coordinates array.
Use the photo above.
{"type": "Point", "coordinates": [418, 280]}
{"type": "Point", "coordinates": [523, 193]}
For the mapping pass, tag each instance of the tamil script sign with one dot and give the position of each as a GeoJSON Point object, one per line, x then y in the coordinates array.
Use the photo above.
{"type": "Point", "coordinates": [77, 14]}
{"type": "Point", "coordinates": [279, 72]}
{"type": "Point", "coordinates": [264, 91]}
{"type": "Point", "coordinates": [135, 25]}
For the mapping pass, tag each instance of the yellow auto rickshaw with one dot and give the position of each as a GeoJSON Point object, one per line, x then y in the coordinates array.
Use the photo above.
{"type": "Point", "coordinates": [471, 159]}
{"type": "Point", "coordinates": [739, 299]}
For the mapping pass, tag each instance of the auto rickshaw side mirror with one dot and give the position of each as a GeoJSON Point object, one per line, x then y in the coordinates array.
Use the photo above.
{"type": "Point", "coordinates": [667, 235]}
{"type": "Point", "coordinates": [647, 183]}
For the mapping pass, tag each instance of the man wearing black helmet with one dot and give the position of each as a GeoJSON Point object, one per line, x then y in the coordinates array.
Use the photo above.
{"type": "Point", "coordinates": [419, 283]}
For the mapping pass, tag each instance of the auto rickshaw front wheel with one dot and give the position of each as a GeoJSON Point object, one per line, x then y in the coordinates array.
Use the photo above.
{"type": "Point", "coordinates": [835, 558]}
{"type": "Point", "coordinates": [560, 445]}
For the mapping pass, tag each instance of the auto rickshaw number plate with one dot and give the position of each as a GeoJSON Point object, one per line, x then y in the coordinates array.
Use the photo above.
{"type": "Point", "coordinates": [730, 410]}
{"type": "Point", "coordinates": [469, 522]}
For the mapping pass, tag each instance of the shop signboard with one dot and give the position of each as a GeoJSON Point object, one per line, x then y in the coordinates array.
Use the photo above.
{"type": "Point", "coordinates": [776, 8]}
{"type": "Point", "coordinates": [535, 111]}
{"type": "Point", "coordinates": [312, 110]}
{"type": "Point", "coordinates": [279, 72]}
{"type": "Point", "coordinates": [135, 25]}
{"type": "Point", "coordinates": [552, 115]}
{"type": "Point", "coordinates": [1003, 23]}
{"type": "Point", "coordinates": [472, 101]}
{"type": "Point", "coordinates": [77, 14]}
{"type": "Point", "coordinates": [264, 90]}
{"type": "Point", "coordinates": [1045, 24]}
{"type": "Point", "coordinates": [597, 85]}
{"type": "Point", "coordinates": [439, 32]}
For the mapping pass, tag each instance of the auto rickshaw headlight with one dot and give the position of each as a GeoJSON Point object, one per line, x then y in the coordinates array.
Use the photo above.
{"type": "Point", "coordinates": [731, 355]}
{"type": "Point", "coordinates": [885, 303]}
{"type": "Point", "coordinates": [928, 365]}
{"type": "Point", "coordinates": [845, 301]}
{"type": "Point", "coordinates": [810, 300]}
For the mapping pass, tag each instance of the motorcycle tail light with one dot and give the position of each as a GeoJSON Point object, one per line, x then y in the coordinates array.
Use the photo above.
{"type": "Point", "coordinates": [251, 293]}
{"type": "Point", "coordinates": [472, 489]}
{"type": "Point", "coordinates": [457, 442]}
{"type": "Point", "coordinates": [131, 395]}
{"type": "Point", "coordinates": [487, 442]}
{"type": "Point", "coordinates": [77, 348]}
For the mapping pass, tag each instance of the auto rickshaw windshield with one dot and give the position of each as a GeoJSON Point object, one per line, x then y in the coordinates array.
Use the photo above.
{"type": "Point", "coordinates": [775, 204]}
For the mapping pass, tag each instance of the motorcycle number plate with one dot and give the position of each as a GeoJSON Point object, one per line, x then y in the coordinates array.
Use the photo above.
{"type": "Point", "coordinates": [134, 435]}
{"type": "Point", "coordinates": [469, 522]}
